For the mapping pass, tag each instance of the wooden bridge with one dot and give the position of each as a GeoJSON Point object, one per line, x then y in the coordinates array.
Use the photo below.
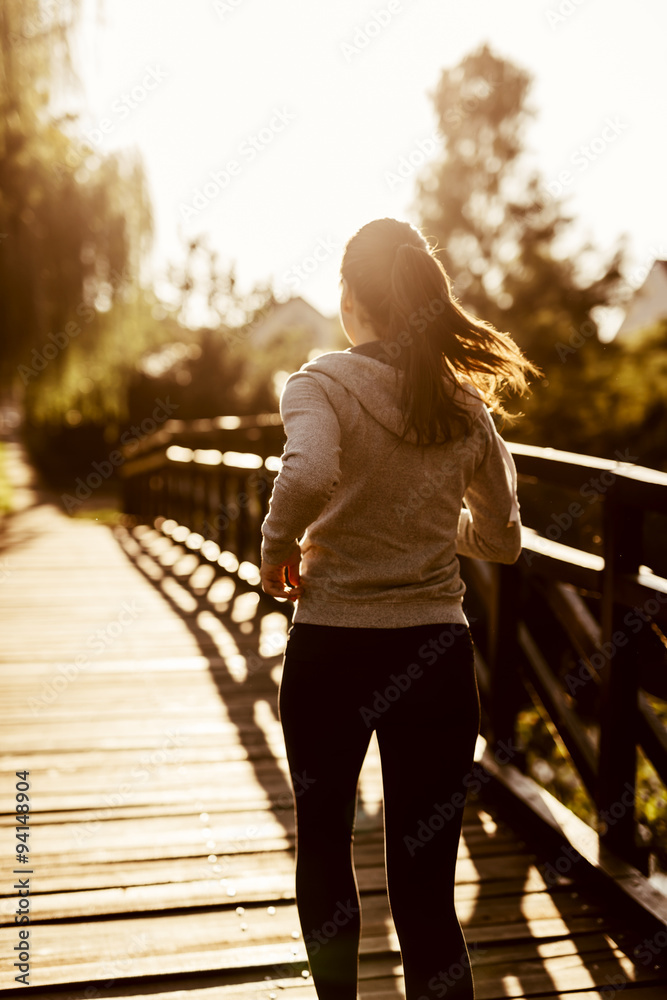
{"type": "Point", "coordinates": [140, 669]}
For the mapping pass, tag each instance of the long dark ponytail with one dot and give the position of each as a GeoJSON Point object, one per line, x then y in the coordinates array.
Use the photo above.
{"type": "Point", "coordinates": [406, 296]}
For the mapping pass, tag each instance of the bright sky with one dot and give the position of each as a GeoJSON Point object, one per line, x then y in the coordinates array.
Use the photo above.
{"type": "Point", "coordinates": [315, 103]}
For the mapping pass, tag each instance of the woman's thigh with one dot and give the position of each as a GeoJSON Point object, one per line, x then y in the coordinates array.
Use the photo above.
{"type": "Point", "coordinates": [339, 684]}
{"type": "Point", "coordinates": [427, 741]}
{"type": "Point", "coordinates": [325, 737]}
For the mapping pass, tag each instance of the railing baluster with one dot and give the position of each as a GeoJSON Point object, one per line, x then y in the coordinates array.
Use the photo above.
{"type": "Point", "coordinates": [210, 499]}
{"type": "Point", "coordinates": [242, 534]}
{"type": "Point", "coordinates": [619, 675]}
{"type": "Point", "coordinates": [503, 653]}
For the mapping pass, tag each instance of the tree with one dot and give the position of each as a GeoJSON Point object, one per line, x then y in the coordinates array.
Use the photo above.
{"type": "Point", "coordinates": [506, 242]}
{"type": "Point", "coordinates": [510, 250]}
{"type": "Point", "coordinates": [216, 369]}
{"type": "Point", "coordinates": [73, 225]}
{"type": "Point", "coordinates": [611, 402]}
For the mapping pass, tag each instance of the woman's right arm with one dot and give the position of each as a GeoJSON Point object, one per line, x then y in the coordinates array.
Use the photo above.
{"type": "Point", "coordinates": [490, 525]}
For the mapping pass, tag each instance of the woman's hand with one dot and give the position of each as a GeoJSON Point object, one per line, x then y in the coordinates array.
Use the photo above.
{"type": "Point", "coordinates": [273, 577]}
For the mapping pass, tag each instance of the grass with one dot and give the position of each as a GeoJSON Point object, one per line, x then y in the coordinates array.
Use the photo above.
{"type": "Point", "coordinates": [104, 515]}
{"type": "Point", "coordinates": [551, 767]}
{"type": "Point", "coordinates": [5, 485]}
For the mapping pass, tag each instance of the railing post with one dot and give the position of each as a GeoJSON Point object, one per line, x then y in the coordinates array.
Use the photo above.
{"type": "Point", "coordinates": [222, 523]}
{"type": "Point", "coordinates": [171, 497]}
{"type": "Point", "coordinates": [129, 493]}
{"type": "Point", "coordinates": [619, 683]}
{"type": "Point", "coordinates": [503, 653]}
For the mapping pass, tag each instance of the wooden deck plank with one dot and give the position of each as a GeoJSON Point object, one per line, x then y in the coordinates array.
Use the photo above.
{"type": "Point", "coordinates": [248, 869]}
{"type": "Point", "coordinates": [220, 827]}
{"type": "Point", "coordinates": [74, 952]}
{"type": "Point", "coordinates": [268, 885]}
{"type": "Point", "coordinates": [371, 985]}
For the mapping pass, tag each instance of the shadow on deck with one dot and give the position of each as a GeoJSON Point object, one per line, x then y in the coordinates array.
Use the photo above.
{"type": "Point", "coordinates": [140, 692]}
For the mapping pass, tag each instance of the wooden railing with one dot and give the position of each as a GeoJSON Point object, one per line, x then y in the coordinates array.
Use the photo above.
{"type": "Point", "coordinates": [582, 632]}
{"type": "Point", "coordinates": [212, 476]}
{"type": "Point", "coordinates": [576, 628]}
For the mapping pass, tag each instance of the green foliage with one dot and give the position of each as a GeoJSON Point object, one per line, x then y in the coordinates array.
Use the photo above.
{"type": "Point", "coordinates": [103, 515]}
{"type": "Point", "coordinates": [219, 369]}
{"type": "Point", "coordinates": [74, 230]}
{"type": "Point", "coordinates": [283, 353]}
{"type": "Point", "coordinates": [502, 236]}
{"type": "Point", "coordinates": [604, 399]}
{"type": "Point", "coordinates": [217, 372]}
{"type": "Point", "coordinates": [510, 251]}
{"type": "Point", "coordinates": [551, 766]}
{"type": "Point", "coordinates": [90, 384]}
{"type": "Point", "coordinates": [5, 485]}
{"type": "Point", "coordinates": [652, 798]}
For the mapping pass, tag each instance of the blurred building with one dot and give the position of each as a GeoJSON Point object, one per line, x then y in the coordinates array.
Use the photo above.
{"type": "Point", "coordinates": [649, 304]}
{"type": "Point", "coordinates": [323, 332]}
{"type": "Point", "coordinates": [10, 413]}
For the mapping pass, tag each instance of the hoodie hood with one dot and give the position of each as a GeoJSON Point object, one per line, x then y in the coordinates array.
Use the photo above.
{"type": "Point", "coordinates": [366, 373]}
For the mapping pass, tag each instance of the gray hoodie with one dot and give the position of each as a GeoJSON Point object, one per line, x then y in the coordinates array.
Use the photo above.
{"type": "Point", "coordinates": [380, 522]}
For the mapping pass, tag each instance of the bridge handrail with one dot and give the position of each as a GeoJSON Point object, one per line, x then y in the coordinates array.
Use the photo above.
{"type": "Point", "coordinates": [214, 478]}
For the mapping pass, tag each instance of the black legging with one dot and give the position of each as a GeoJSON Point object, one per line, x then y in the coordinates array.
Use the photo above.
{"type": "Point", "coordinates": [417, 687]}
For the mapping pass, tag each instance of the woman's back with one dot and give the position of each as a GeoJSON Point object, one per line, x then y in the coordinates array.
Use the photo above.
{"type": "Point", "coordinates": [385, 442]}
{"type": "Point", "coordinates": [382, 514]}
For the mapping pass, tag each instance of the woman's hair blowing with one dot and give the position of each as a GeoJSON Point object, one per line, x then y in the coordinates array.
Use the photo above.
{"type": "Point", "coordinates": [405, 294]}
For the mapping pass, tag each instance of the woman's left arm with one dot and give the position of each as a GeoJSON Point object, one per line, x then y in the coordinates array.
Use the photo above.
{"type": "Point", "coordinates": [308, 477]}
